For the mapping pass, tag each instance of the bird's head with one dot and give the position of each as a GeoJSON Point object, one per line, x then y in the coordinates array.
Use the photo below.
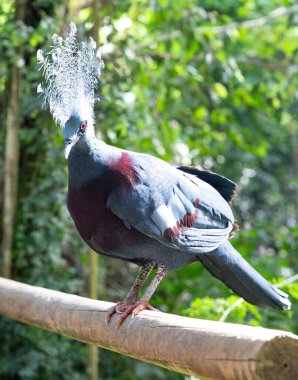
{"type": "Point", "coordinates": [76, 128]}
{"type": "Point", "coordinates": [71, 71]}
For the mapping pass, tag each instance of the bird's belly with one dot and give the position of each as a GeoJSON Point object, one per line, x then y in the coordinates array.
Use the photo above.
{"type": "Point", "coordinates": [102, 230]}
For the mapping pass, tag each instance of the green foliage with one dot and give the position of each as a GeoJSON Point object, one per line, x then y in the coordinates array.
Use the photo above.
{"type": "Point", "coordinates": [214, 309]}
{"type": "Point", "coordinates": [235, 310]}
{"type": "Point", "coordinates": [186, 82]}
{"type": "Point", "coordinates": [38, 354]}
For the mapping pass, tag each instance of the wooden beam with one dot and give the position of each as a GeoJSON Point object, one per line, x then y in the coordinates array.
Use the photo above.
{"type": "Point", "coordinates": [213, 350]}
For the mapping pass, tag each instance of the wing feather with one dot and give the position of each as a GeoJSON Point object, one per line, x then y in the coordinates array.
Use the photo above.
{"type": "Point", "coordinates": [173, 207]}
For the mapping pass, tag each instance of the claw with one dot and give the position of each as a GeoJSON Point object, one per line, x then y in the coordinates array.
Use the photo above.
{"type": "Point", "coordinates": [120, 308]}
{"type": "Point", "coordinates": [110, 313]}
{"type": "Point", "coordinates": [126, 308]}
{"type": "Point", "coordinates": [142, 305]}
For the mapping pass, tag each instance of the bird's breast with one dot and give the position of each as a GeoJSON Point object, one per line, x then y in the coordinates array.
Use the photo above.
{"type": "Point", "coordinates": [102, 230]}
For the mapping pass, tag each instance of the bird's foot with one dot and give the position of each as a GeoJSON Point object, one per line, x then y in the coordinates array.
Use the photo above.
{"type": "Point", "coordinates": [126, 308]}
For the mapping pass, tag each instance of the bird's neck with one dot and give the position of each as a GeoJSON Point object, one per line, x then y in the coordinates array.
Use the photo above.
{"type": "Point", "coordinates": [88, 159]}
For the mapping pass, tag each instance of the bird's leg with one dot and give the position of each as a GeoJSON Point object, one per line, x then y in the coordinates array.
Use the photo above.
{"type": "Point", "coordinates": [159, 275]}
{"type": "Point", "coordinates": [139, 282]}
{"type": "Point", "coordinates": [143, 303]}
{"type": "Point", "coordinates": [132, 297]}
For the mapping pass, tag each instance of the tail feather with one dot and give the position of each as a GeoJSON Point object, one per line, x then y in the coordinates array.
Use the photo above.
{"type": "Point", "coordinates": [226, 264]}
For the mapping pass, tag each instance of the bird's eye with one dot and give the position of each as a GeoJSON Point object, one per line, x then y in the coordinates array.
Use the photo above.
{"type": "Point", "coordinates": [83, 126]}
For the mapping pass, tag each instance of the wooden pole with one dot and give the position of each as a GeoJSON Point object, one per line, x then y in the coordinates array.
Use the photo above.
{"type": "Point", "coordinates": [209, 349]}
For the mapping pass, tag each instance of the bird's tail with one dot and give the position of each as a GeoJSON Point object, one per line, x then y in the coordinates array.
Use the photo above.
{"type": "Point", "coordinates": [229, 266]}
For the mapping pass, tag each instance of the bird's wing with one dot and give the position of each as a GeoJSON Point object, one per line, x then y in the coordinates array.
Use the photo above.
{"type": "Point", "coordinates": [173, 207]}
{"type": "Point", "coordinates": [226, 188]}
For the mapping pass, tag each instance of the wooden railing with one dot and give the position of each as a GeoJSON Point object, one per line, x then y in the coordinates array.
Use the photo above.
{"type": "Point", "coordinates": [213, 350]}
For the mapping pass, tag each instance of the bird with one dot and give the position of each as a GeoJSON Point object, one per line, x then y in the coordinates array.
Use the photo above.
{"type": "Point", "coordinates": [136, 207]}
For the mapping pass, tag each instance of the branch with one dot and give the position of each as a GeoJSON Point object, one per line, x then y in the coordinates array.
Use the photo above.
{"type": "Point", "coordinates": [191, 346]}
{"type": "Point", "coordinates": [248, 24]}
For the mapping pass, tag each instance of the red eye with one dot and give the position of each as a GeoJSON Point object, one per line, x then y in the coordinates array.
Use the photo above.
{"type": "Point", "coordinates": [83, 126]}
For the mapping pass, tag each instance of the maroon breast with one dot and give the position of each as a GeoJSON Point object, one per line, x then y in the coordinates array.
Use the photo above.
{"type": "Point", "coordinates": [98, 226]}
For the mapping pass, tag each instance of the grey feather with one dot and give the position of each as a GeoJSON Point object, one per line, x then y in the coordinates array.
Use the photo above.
{"type": "Point", "coordinates": [163, 185]}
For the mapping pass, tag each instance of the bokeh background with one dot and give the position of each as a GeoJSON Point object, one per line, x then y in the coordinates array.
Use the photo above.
{"type": "Point", "coordinates": [211, 83]}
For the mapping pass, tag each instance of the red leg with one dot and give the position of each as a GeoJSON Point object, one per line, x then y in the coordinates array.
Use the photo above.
{"type": "Point", "coordinates": [132, 304]}
{"type": "Point", "coordinates": [132, 297]}
{"type": "Point", "coordinates": [134, 309]}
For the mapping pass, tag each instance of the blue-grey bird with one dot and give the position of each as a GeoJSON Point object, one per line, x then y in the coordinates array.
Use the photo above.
{"type": "Point", "coordinates": [136, 207]}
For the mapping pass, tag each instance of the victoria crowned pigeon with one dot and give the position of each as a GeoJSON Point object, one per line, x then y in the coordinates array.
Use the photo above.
{"type": "Point", "coordinates": [136, 207]}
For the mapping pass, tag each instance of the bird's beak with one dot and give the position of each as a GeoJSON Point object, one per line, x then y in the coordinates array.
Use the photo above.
{"type": "Point", "coordinates": [68, 144]}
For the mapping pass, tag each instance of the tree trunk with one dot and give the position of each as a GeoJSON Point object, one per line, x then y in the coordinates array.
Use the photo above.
{"type": "Point", "coordinates": [294, 148]}
{"type": "Point", "coordinates": [12, 155]}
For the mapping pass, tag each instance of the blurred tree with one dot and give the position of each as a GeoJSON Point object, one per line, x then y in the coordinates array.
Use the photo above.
{"type": "Point", "coordinates": [12, 148]}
